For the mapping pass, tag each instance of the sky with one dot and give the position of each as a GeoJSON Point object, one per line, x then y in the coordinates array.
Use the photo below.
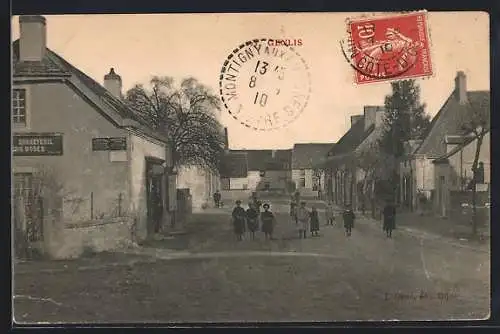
{"type": "Point", "coordinates": [182, 45]}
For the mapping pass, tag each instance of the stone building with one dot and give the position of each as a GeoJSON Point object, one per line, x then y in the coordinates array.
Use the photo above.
{"type": "Point", "coordinates": [102, 160]}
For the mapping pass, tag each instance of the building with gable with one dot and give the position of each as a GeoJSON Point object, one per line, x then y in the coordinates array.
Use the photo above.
{"type": "Point", "coordinates": [78, 136]}
{"type": "Point", "coordinates": [309, 181]}
{"type": "Point", "coordinates": [342, 172]}
{"type": "Point", "coordinates": [422, 188]}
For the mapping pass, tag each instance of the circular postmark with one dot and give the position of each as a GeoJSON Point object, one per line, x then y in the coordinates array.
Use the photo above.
{"type": "Point", "coordinates": [263, 85]}
{"type": "Point", "coordinates": [380, 50]}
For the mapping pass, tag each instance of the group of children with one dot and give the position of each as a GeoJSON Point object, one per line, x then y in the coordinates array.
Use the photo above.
{"type": "Point", "coordinates": [304, 219]}
{"type": "Point", "coordinates": [248, 219]}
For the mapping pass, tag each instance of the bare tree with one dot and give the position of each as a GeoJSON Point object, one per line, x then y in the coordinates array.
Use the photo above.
{"type": "Point", "coordinates": [477, 125]}
{"type": "Point", "coordinates": [186, 114]}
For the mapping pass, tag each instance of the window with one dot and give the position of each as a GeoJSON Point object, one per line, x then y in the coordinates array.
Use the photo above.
{"type": "Point", "coordinates": [19, 107]}
{"type": "Point", "coordinates": [302, 182]}
{"type": "Point", "coordinates": [267, 186]}
{"type": "Point", "coordinates": [302, 172]}
{"type": "Point", "coordinates": [23, 184]}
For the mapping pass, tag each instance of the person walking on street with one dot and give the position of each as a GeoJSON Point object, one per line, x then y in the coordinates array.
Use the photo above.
{"type": "Point", "coordinates": [330, 214]}
{"type": "Point", "coordinates": [303, 220]}
{"type": "Point", "coordinates": [293, 212]}
{"type": "Point", "coordinates": [314, 222]}
{"type": "Point", "coordinates": [252, 220]}
{"type": "Point", "coordinates": [217, 197]}
{"type": "Point", "coordinates": [268, 221]}
{"type": "Point", "coordinates": [389, 218]}
{"type": "Point", "coordinates": [348, 217]}
{"type": "Point", "coordinates": [239, 217]}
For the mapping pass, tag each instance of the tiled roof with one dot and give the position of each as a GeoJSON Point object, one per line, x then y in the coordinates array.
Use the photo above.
{"type": "Point", "coordinates": [263, 159]}
{"type": "Point", "coordinates": [234, 165]}
{"type": "Point", "coordinates": [448, 121]}
{"type": "Point", "coordinates": [305, 156]}
{"type": "Point", "coordinates": [55, 65]}
{"type": "Point", "coordinates": [351, 139]}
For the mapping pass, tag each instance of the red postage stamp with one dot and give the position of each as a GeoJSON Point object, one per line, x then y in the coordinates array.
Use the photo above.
{"type": "Point", "coordinates": [389, 48]}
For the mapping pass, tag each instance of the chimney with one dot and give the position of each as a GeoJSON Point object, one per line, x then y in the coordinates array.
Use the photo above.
{"type": "Point", "coordinates": [226, 140]}
{"type": "Point", "coordinates": [33, 38]}
{"type": "Point", "coordinates": [113, 83]}
{"type": "Point", "coordinates": [461, 87]}
{"type": "Point", "coordinates": [356, 118]}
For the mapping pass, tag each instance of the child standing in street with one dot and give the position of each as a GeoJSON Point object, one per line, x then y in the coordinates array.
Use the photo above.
{"type": "Point", "coordinates": [330, 215]}
{"type": "Point", "coordinates": [302, 220]}
{"type": "Point", "coordinates": [252, 219]}
{"type": "Point", "coordinates": [314, 222]}
{"type": "Point", "coordinates": [348, 217]}
{"type": "Point", "coordinates": [268, 222]}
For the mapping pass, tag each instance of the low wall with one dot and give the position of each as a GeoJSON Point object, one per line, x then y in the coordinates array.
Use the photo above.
{"type": "Point", "coordinates": [230, 196]}
{"type": "Point", "coordinates": [96, 236]}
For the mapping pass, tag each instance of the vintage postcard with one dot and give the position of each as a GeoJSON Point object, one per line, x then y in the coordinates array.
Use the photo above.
{"type": "Point", "coordinates": [251, 167]}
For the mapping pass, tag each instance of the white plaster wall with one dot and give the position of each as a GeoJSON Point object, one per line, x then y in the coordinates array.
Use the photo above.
{"type": "Point", "coordinates": [140, 148]}
{"type": "Point", "coordinates": [201, 182]}
{"type": "Point", "coordinates": [254, 178]}
{"type": "Point", "coordinates": [238, 183]}
{"type": "Point", "coordinates": [193, 178]}
{"type": "Point", "coordinates": [72, 241]}
{"type": "Point", "coordinates": [467, 159]}
{"type": "Point", "coordinates": [424, 172]}
{"type": "Point", "coordinates": [309, 181]}
{"type": "Point", "coordinates": [296, 176]}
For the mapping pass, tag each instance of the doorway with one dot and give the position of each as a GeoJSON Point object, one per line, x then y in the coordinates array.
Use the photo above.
{"type": "Point", "coordinates": [155, 194]}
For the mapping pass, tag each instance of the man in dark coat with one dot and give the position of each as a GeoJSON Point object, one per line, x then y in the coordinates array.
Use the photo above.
{"type": "Point", "coordinates": [348, 217]}
{"type": "Point", "coordinates": [217, 197]}
{"type": "Point", "coordinates": [389, 218]}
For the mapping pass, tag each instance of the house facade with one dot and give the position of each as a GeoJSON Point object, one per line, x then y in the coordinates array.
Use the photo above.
{"type": "Point", "coordinates": [453, 175]}
{"type": "Point", "coordinates": [418, 174]}
{"type": "Point", "coordinates": [100, 158]}
{"type": "Point", "coordinates": [342, 171]}
{"type": "Point", "coordinates": [265, 170]}
{"type": "Point", "coordinates": [309, 181]}
{"type": "Point", "coordinates": [201, 182]}
{"type": "Point", "coordinates": [255, 170]}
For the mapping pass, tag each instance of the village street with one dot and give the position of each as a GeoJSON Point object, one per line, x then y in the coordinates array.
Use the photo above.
{"type": "Point", "coordinates": [206, 275]}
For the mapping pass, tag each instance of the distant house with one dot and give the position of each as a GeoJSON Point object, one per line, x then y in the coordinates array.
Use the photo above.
{"type": "Point", "coordinates": [418, 176]}
{"type": "Point", "coordinates": [254, 170]}
{"type": "Point", "coordinates": [234, 171]}
{"type": "Point", "coordinates": [266, 169]}
{"type": "Point", "coordinates": [308, 179]}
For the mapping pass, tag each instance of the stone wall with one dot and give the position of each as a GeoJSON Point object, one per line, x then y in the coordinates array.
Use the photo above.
{"type": "Point", "coordinates": [96, 236]}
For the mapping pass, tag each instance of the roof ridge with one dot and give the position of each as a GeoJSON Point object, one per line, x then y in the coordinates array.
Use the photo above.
{"type": "Point", "coordinates": [459, 147]}
{"type": "Point", "coordinates": [109, 98]}
{"type": "Point", "coordinates": [433, 122]}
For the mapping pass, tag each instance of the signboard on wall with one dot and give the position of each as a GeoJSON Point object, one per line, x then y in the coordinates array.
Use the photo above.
{"type": "Point", "coordinates": [33, 144]}
{"type": "Point", "coordinates": [109, 144]}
